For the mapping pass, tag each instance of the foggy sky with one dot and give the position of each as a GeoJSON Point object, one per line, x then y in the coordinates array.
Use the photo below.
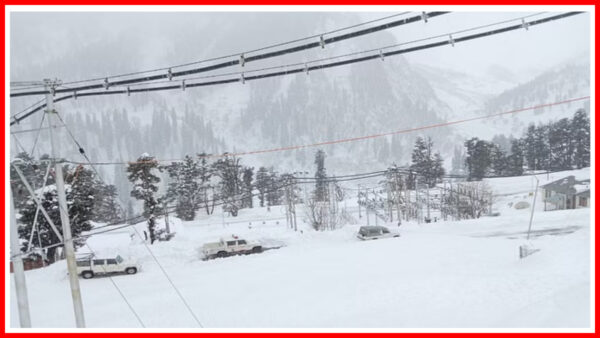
{"type": "Point", "coordinates": [41, 40]}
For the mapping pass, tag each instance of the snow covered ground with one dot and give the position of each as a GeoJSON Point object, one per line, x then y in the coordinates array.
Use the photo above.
{"type": "Point", "coordinates": [464, 274]}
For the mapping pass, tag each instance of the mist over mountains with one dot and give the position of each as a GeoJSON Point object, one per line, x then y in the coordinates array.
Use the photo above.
{"type": "Point", "coordinates": [357, 100]}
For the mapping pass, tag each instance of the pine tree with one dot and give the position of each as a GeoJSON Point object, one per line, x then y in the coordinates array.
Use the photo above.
{"type": "Point", "coordinates": [529, 148]}
{"type": "Point", "coordinates": [498, 159]}
{"type": "Point", "coordinates": [580, 131]}
{"type": "Point", "coordinates": [247, 187]}
{"type": "Point", "coordinates": [206, 187]}
{"type": "Point", "coordinates": [229, 172]}
{"type": "Point", "coordinates": [478, 158]}
{"type": "Point", "coordinates": [425, 163]}
{"type": "Point", "coordinates": [275, 188]}
{"type": "Point", "coordinates": [560, 145]}
{"type": "Point", "coordinates": [262, 184]}
{"type": "Point", "coordinates": [33, 170]}
{"type": "Point", "coordinates": [542, 149]}
{"type": "Point", "coordinates": [184, 188]}
{"type": "Point", "coordinates": [321, 191]}
{"type": "Point", "coordinates": [145, 186]}
{"type": "Point", "coordinates": [80, 201]}
{"type": "Point", "coordinates": [515, 159]}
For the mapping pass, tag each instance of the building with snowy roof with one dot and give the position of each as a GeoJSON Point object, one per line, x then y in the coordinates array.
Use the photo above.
{"type": "Point", "coordinates": [566, 193]}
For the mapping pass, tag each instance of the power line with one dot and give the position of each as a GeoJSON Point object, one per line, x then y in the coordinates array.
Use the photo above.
{"type": "Point", "coordinates": [35, 85]}
{"type": "Point", "coordinates": [306, 68]}
{"type": "Point", "coordinates": [242, 60]}
{"type": "Point", "coordinates": [445, 35]}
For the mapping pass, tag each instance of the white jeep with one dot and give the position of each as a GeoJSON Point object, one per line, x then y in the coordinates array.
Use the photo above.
{"type": "Point", "coordinates": [229, 247]}
{"type": "Point", "coordinates": [90, 267]}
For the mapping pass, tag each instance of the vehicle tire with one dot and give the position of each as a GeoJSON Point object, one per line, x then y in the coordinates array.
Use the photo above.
{"type": "Point", "coordinates": [222, 254]}
{"type": "Point", "coordinates": [131, 271]}
{"type": "Point", "coordinates": [87, 274]}
{"type": "Point", "coordinates": [257, 249]}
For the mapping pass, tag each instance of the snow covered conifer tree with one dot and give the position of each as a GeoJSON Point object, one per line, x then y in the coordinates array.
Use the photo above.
{"type": "Point", "coordinates": [184, 188]}
{"type": "Point", "coordinates": [229, 171]}
{"type": "Point", "coordinates": [514, 161]}
{"type": "Point", "coordinates": [141, 175]}
{"type": "Point", "coordinates": [321, 191]}
{"type": "Point", "coordinates": [580, 131]}
{"type": "Point", "coordinates": [478, 158]}
{"type": "Point", "coordinates": [262, 184]}
{"type": "Point", "coordinates": [425, 163]}
{"type": "Point", "coordinates": [205, 185]}
{"type": "Point", "coordinates": [80, 188]}
{"type": "Point", "coordinates": [247, 186]}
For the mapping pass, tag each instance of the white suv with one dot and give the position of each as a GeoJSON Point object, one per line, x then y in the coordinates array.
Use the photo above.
{"type": "Point", "coordinates": [229, 247]}
{"type": "Point", "coordinates": [88, 268]}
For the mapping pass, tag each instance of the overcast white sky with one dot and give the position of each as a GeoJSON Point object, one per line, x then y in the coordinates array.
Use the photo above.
{"type": "Point", "coordinates": [540, 47]}
{"type": "Point", "coordinates": [36, 37]}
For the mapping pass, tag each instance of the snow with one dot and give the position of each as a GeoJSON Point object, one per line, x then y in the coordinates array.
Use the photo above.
{"type": "Point", "coordinates": [438, 275]}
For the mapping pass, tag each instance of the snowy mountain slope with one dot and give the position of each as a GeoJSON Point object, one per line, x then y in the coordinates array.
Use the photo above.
{"type": "Point", "coordinates": [357, 100]}
{"type": "Point", "coordinates": [437, 275]}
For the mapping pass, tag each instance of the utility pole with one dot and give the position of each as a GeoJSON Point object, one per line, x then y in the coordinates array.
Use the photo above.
{"type": "Point", "coordinates": [533, 206]}
{"type": "Point", "coordinates": [417, 200]}
{"type": "Point", "coordinates": [359, 200]}
{"type": "Point", "coordinates": [428, 214]}
{"type": "Point", "coordinates": [18, 270]}
{"type": "Point", "coordinates": [367, 204]}
{"type": "Point", "coordinates": [64, 213]}
{"type": "Point", "coordinates": [167, 225]}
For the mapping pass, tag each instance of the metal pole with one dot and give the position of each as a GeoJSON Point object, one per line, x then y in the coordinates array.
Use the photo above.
{"type": "Point", "coordinates": [64, 216]}
{"type": "Point", "coordinates": [18, 270]}
{"type": "Point", "coordinates": [359, 200]}
{"type": "Point", "coordinates": [367, 204]}
{"type": "Point", "coordinates": [533, 206]}
{"type": "Point", "coordinates": [428, 214]}
{"type": "Point", "coordinates": [417, 200]}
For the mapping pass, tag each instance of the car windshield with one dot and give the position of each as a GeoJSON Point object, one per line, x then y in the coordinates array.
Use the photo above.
{"type": "Point", "coordinates": [119, 259]}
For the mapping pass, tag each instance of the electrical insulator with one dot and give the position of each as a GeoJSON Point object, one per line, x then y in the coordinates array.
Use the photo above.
{"type": "Point", "coordinates": [322, 42]}
{"type": "Point", "coordinates": [451, 40]}
{"type": "Point", "coordinates": [106, 84]}
{"type": "Point", "coordinates": [381, 55]}
{"type": "Point", "coordinates": [75, 95]}
{"type": "Point", "coordinates": [424, 17]}
{"type": "Point", "coordinates": [306, 68]}
{"type": "Point", "coordinates": [243, 79]}
{"type": "Point", "coordinates": [128, 91]}
{"type": "Point", "coordinates": [183, 85]}
{"type": "Point", "coordinates": [525, 24]}
{"type": "Point", "coordinates": [242, 60]}
{"type": "Point", "coordinates": [170, 74]}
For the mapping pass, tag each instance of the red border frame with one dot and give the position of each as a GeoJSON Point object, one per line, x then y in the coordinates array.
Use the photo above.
{"type": "Point", "coordinates": [285, 2]}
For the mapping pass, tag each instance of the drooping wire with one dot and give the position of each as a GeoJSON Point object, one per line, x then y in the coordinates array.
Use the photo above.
{"type": "Point", "coordinates": [234, 62]}
{"type": "Point", "coordinates": [445, 35]}
{"type": "Point", "coordinates": [306, 69]}
{"type": "Point", "coordinates": [31, 86]}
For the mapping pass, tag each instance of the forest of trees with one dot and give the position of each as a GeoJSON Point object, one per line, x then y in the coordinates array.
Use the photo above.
{"type": "Point", "coordinates": [555, 146]}
{"type": "Point", "coordinates": [202, 182]}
